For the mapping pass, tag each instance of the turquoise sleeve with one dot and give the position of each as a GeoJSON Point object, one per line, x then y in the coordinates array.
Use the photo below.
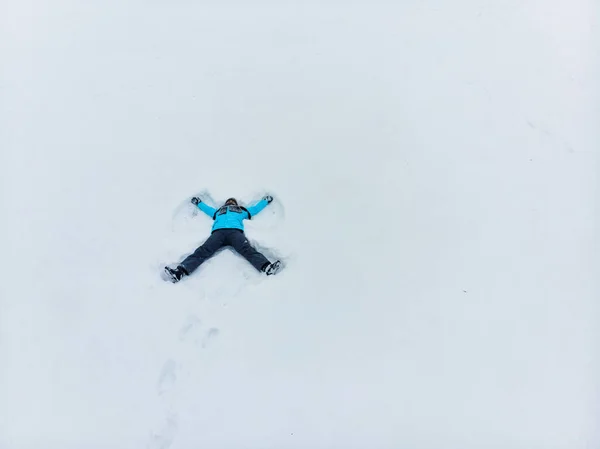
{"type": "Point", "coordinates": [253, 210]}
{"type": "Point", "coordinates": [210, 211]}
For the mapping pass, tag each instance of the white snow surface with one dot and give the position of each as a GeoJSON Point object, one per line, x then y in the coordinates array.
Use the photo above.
{"type": "Point", "coordinates": [434, 167]}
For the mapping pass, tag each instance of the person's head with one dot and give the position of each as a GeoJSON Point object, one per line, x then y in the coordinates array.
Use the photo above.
{"type": "Point", "coordinates": [231, 202]}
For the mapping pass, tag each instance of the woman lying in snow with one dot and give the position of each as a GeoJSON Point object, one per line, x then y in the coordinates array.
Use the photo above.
{"type": "Point", "coordinates": [227, 230]}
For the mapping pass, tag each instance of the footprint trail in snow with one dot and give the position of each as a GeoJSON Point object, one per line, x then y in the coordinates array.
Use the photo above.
{"type": "Point", "coordinates": [192, 332]}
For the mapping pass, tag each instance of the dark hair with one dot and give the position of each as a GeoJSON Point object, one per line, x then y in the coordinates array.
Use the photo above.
{"type": "Point", "coordinates": [231, 200]}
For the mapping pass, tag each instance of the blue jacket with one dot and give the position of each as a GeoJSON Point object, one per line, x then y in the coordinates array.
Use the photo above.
{"type": "Point", "coordinates": [231, 217]}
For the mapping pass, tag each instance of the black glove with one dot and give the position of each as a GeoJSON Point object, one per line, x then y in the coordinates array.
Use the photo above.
{"type": "Point", "coordinates": [269, 198]}
{"type": "Point", "coordinates": [196, 200]}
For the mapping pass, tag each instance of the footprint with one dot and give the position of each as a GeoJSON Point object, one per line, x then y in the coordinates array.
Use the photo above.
{"type": "Point", "coordinates": [166, 381]}
{"type": "Point", "coordinates": [164, 438]}
{"type": "Point", "coordinates": [212, 333]}
{"type": "Point", "coordinates": [192, 323]}
{"type": "Point", "coordinates": [167, 377]}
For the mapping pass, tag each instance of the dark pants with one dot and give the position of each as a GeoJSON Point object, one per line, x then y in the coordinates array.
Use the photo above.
{"type": "Point", "coordinates": [217, 240]}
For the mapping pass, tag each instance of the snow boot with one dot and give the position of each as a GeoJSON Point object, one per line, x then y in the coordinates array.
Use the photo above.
{"type": "Point", "coordinates": [176, 274]}
{"type": "Point", "coordinates": [272, 268]}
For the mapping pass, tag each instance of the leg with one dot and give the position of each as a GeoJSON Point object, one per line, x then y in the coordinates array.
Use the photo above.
{"type": "Point", "coordinates": [241, 244]}
{"type": "Point", "coordinates": [204, 252]}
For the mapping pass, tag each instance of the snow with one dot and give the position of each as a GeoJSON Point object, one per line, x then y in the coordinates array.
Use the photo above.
{"type": "Point", "coordinates": [434, 171]}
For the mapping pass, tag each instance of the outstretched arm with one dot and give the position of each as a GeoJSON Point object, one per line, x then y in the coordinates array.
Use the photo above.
{"type": "Point", "coordinates": [253, 210]}
{"type": "Point", "coordinates": [210, 211]}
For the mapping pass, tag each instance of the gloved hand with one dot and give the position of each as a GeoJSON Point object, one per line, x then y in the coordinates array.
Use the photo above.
{"type": "Point", "coordinates": [196, 200]}
{"type": "Point", "coordinates": [269, 198]}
